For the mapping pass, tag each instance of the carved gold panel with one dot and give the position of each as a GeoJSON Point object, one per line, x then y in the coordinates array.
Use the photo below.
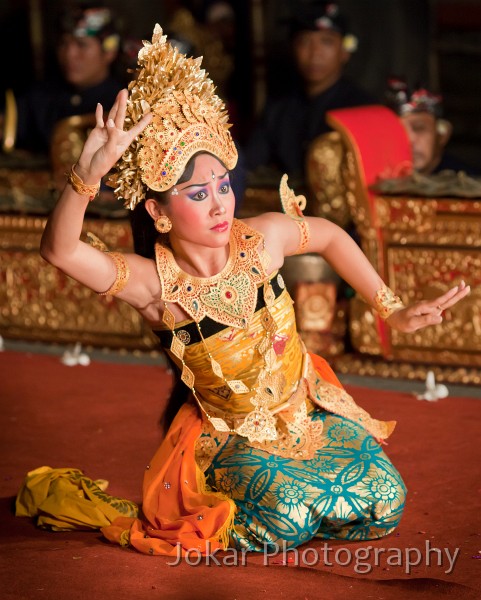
{"type": "Point", "coordinates": [427, 272]}
{"type": "Point", "coordinates": [362, 328]}
{"type": "Point", "coordinates": [424, 273]}
{"type": "Point", "coordinates": [39, 302]}
{"type": "Point", "coordinates": [369, 366]}
{"type": "Point", "coordinates": [421, 246]}
{"type": "Point", "coordinates": [330, 342]}
{"type": "Point", "coordinates": [436, 221]}
{"type": "Point", "coordinates": [327, 188]}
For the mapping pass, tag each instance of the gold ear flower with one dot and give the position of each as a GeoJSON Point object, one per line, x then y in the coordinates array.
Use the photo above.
{"type": "Point", "coordinates": [350, 42]}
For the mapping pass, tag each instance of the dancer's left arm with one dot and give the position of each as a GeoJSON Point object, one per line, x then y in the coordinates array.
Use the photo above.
{"type": "Point", "coordinates": [347, 259]}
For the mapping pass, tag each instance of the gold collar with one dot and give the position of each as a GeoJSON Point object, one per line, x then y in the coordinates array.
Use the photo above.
{"type": "Point", "coordinates": [229, 297]}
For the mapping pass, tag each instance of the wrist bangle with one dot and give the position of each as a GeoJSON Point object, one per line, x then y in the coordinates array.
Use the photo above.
{"type": "Point", "coordinates": [80, 187]}
{"type": "Point", "coordinates": [386, 302]}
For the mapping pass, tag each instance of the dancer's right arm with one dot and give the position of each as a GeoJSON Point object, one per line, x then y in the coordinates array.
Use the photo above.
{"type": "Point", "coordinates": [61, 244]}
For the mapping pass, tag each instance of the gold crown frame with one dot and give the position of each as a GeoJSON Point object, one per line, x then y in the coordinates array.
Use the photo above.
{"type": "Point", "coordinates": [188, 117]}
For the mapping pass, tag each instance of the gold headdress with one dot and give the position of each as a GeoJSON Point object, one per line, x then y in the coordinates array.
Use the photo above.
{"type": "Point", "coordinates": [188, 117]}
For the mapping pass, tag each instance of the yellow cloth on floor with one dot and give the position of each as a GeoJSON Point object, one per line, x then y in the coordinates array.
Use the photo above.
{"type": "Point", "coordinates": [64, 499]}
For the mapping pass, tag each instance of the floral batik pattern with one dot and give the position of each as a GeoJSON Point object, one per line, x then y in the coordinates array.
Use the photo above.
{"type": "Point", "coordinates": [348, 490]}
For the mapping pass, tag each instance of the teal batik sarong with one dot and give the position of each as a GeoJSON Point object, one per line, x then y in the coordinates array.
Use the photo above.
{"type": "Point", "coordinates": [349, 490]}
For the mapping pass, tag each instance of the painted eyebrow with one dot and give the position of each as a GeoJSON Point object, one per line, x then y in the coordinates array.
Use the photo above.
{"type": "Point", "coordinates": [203, 184]}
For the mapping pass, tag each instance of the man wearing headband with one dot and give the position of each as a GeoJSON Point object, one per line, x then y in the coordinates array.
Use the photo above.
{"type": "Point", "coordinates": [421, 113]}
{"type": "Point", "coordinates": [322, 45]}
{"type": "Point", "coordinates": [86, 49]}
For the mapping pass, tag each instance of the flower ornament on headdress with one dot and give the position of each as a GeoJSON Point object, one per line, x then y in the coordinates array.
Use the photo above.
{"type": "Point", "coordinates": [187, 117]}
{"type": "Point", "coordinates": [422, 100]}
{"type": "Point", "coordinates": [350, 43]}
{"type": "Point", "coordinates": [405, 101]}
{"type": "Point", "coordinates": [324, 16]}
{"type": "Point", "coordinates": [94, 21]}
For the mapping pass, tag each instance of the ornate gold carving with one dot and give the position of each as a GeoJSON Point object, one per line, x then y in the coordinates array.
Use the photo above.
{"type": "Point", "coordinates": [367, 366]}
{"type": "Point", "coordinates": [68, 138]}
{"type": "Point", "coordinates": [427, 273]}
{"type": "Point", "coordinates": [441, 221]}
{"type": "Point", "coordinates": [325, 180]}
{"type": "Point", "coordinates": [424, 273]}
{"type": "Point", "coordinates": [358, 204]}
{"type": "Point", "coordinates": [407, 214]}
{"type": "Point", "coordinates": [38, 302]}
{"type": "Point", "coordinates": [330, 342]}
{"type": "Point", "coordinates": [420, 247]}
{"type": "Point", "coordinates": [362, 328]}
{"type": "Point", "coordinates": [315, 306]}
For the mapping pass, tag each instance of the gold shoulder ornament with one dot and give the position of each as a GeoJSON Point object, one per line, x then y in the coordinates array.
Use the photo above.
{"type": "Point", "coordinates": [293, 206]}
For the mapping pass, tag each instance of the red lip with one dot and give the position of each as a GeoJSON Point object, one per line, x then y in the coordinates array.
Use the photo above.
{"type": "Point", "coordinates": [221, 227]}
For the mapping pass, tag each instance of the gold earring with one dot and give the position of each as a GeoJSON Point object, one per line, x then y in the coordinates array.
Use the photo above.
{"type": "Point", "coordinates": [163, 224]}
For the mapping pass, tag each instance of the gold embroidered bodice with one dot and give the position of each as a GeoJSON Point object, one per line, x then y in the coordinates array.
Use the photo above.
{"type": "Point", "coordinates": [236, 350]}
{"type": "Point", "coordinates": [252, 356]}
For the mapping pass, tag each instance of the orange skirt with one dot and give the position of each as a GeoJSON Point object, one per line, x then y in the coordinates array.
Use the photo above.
{"type": "Point", "coordinates": [180, 513]}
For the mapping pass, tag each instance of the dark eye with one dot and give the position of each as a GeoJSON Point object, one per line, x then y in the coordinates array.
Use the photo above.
{"type": "Point", "coordinates": [419, 128]}
{"type": "Point", "coordinates": [224, 189]}
{"type": "Point", "coordinates": [199, 196]}
{"type": "Point", "coordinates": [327, 41]}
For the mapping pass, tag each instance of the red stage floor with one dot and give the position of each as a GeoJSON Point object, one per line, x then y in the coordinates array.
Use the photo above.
{"type": "Point", "coordinates": [104, 420]}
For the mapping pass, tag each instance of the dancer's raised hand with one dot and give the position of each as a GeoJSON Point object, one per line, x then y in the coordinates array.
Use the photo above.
{"type": "Point", "coordinates": [108, 140]}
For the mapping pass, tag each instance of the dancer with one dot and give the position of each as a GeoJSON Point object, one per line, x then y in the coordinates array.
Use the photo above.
{"type": "Point", "coordinates": [267, 447]}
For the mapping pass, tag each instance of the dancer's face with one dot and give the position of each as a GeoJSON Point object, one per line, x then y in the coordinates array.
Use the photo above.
{"type": "Point", "coordinates": [202, 210]}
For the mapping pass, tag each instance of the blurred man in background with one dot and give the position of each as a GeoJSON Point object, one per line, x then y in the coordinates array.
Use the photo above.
{"type": "Point", "coordinates": [421, 113]}
{"type": "Point", "coordinates": [87, 46]}
{"type": "Point", "coordinates": [322, 46]}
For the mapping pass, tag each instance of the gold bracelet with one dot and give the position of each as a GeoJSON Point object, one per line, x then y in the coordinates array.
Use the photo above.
{"type": "Point", "coordinates": [305, 235]}
{"type": "Point", "coordinates": [387, 302]}
{"type": "Point", "coordinates": [122, 274]}
{"type": "Point", "coordinates": [80, 187]}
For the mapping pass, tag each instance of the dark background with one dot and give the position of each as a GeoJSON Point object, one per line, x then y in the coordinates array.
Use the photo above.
{"type": "Point", "coordinates": [431, 42]}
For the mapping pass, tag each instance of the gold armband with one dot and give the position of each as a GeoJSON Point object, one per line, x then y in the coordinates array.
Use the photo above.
{"type": "Point", "coordinates": [293, 206]}
{"type": "Point", "coordinates": [122, 277]}
{"type": "Point", "coordinates": [305, 235]}
{"type": "Point", "coordinates": [387, 302]}
{"type": "Point", "coordinates": [80, 187]}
